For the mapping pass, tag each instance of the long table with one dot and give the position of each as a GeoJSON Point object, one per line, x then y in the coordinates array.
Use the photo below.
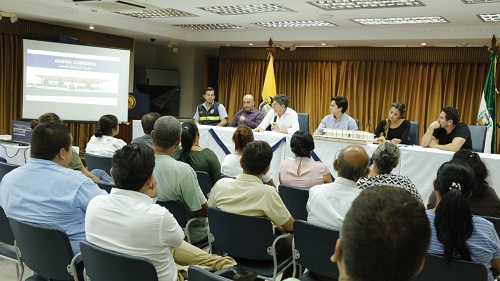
{"type": "Point", "coordinates": [16, 154]}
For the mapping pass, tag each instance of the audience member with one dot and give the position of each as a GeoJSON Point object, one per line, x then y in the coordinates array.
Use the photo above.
{"type": "Point", "coordinates": [176, 180]}
{"type": "Point", "coordinates": [303, 171]}
{"type": "Point", "coordinates": [385, 159]}
{"type": "Point", "coordinates": [210, 112]}
{"type": "Point", "coordinates": [281, 118]}
{"type": "Point", "coordinates": [338, 119]}
{"type": "Point", "coordinates": [328, 203]}
{"type": "Point", "coordinates": [231, 165]}
{"type": "Point", "coordinates": [190, 152]}
{"type": "Point", "coordinates": [446, 133]}
{"type": "Point", "coordinates": [249, 115]}
{"type": "Point", "coordinates": [385, 236]}
{"type": "Point", "coordinates": [147, 121]}
{"type": "Point", "coordinates": [395, 128]}
{"type": "Point", "coordinates": [484, 200]}
{"type": "Point", "coordinates": [103, 142]}
{"type": "Point", "coordinates": [456, 233]}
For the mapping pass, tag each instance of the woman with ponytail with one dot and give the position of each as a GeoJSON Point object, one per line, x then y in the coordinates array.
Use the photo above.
{"type": "Point", "coordinates": [190, 152]}
{"type": "Point", "coordinates": [231, 165]}
{"type": "Point", "coordinates": [456, 233]}
{"type": "Point", "coordinates": [303, 171]}
{"type": "Point", "coordinates": [103, 142]}
{"type": "Point", "coordinates": [395, 128]}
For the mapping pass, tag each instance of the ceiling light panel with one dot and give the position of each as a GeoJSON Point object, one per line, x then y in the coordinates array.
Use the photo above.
{"type": "Point", "coordinates": [247, 9]}
{"type": "Point", "coordinates": [160, 13]}
{"type": "Point", "coordinates": [211, 26]}
{"type": "Point", "coordinates": [490, 17]}
{"type": "Point", "coordinates": [400, 20]}
{"type": "Point", "coordinates": [480, 1]}
{"type": "Point", "coordinates": [295, 23]}
{"type": "Point", "coordinates": [364, 4]}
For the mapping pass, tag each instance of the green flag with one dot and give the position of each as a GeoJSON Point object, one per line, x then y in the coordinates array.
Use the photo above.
{"type": "Point", "coordinates": [487, 107]}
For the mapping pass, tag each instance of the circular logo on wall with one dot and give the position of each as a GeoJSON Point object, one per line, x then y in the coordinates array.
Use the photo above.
{"type": "Point", "coordinates": [131, 102]}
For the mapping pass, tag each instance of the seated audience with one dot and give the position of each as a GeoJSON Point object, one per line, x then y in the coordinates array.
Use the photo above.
{"type": "Point", "coordinates": [128, 221]}
{"type": "Point", "coordinates": [282, 118]}
{"type": "Point", "coordinates": [385, 159]}
{"type": "Point", "coordinates": [190, 152]}
{"type": "Point", "coordinates": [231, 167]}
{"type": "Point", "coordinates": [484, 200]}
{"type": "Point", "coordinates": [103, 142]}
{"type": "Point", "coordinates": [249, 115]}
{"type": "Point", "coordinates": [338, 119]}
{"type": "Point", "coordinates": [303, 171]}
{"type": "Point", "coordinates": [328, 203]}
{"type": "Point", "coordinates": [377, 242]}
{"type": "Point", "coordinates": [456, 233]}
{"type": "Point", "coordinates": [395, 128]}
{"type": "Point", "coordinates": [147, 121]}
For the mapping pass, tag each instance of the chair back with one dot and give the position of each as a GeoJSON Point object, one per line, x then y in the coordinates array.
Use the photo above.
{"type": "Point", "coordinates": [106, 265]}
{"type": "Point", "coordinates": [205, 182]}
{"type": "Point", "coordinates": [295, 200]}
{"type": "Point", "coordinates": [196, 273]}
{"type": "Point", "coordinates": [413, 135]}
{"type": "Point", "coordinates": [478, 137]}
{"type": "Point", "coordinates": [105, 185]}
{"type": "Point", "coordinates": [44, 249]}
{"type": "Point", "coordinates": [303, 122]}
{"type": "Point", "coordinates": [98, 162]}
{"type": "Point", "coordinates": [176, 208]}
{"type": "Point", "coordinates": [496, 223]}
{"type": "Point", "coordinates": [436, 269]}
{"type": "Point", "coordinates": [357, 123]}
{"type": "Point", "coordinates": [313, 247]}
{"type": "Point", "coordinates": [6, 235]}
{"type": "Point", "coordinates": [240, 236]}
{"type": "Point", "coordinates": [5, 168]}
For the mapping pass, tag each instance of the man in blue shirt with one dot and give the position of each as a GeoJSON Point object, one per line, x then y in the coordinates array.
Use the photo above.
{"type": "Point", "coordinates": [45, 191]}
{"type": "Point", "coordinates": [338, 119]}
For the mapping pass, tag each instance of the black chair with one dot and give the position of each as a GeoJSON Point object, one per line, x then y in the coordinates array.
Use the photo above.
{"type": "Point", "coordinates": [199, 274]}
{"type": "Point", "coordinates": [106, 265]}
{"type": "Point", "coordinates": [105, 185]}
{"type": "Point", "coordinates": [205, 182]}
{"type": "Point", "coordinates": [249, 240]}
{"type": "Point", "coordinates": [98, 162]}
{"type": "Point", "coordinates": [5, 168]}
{"type": "Point", "coordinates": [177, 209]}
{"type": "Point", "coordinates": [303, 121]}
{"type": "Point", "coordinates": [313, 246]}
{"type": "Point", "coordinates": [7, 249]}
{"type": "Point", "coordinates": [357, 123]}
{"type": "Point", "coordinates": [295, 200]}
{"type": "Point", "coordinates": [478, 137]}
{"type": "Point", "coordinates": [413, 135]}
{"type": "Point", "coordinates": [436, 269]}
{"type": "Point", "coordinates": [44, 249]}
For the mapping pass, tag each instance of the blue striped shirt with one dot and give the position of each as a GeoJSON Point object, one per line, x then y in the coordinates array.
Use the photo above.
{"type": "Point", "coordinates": [484, 243]}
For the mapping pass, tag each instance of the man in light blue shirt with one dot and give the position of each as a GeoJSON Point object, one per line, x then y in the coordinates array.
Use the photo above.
{"type": "Point", "coordinates": [338, 119]}
{"type": "Point", "coordinates": [44, 191]}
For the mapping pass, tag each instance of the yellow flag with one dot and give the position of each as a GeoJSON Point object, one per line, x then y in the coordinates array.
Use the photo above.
{"type": "Point", "coordinates": [269, 89]}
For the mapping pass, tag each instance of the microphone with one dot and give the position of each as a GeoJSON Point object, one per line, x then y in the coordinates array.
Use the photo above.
{"type": "Point", "coordinates": [275, 117]}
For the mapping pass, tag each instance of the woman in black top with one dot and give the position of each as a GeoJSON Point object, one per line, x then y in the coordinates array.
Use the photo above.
{"type": "Point", "coordinates": [396, 128]}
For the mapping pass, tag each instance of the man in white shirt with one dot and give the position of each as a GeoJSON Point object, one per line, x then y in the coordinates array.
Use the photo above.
{"type": "Point", "coordinates": [281, 118]}
{"type": "Point", "coordinates": [328, 203]}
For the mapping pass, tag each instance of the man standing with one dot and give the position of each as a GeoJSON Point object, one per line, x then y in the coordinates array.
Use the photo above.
{"type": "Point", "coordinates": [44, 191]}
{"type": "Point", "coordinates": [338, 119]}
{"type": "Point", "coordinates": [249, 115]}
{"type": "Point", "coordinates": [281, 118]}
{"type": "Point", "coordinates": [210, 112]}
{"type": "Point", "coordinates": [328, 203]}
{"type": "Point", "coordinates": [147, 121]}
{"type": "Point", "coordinates": [446, 133]}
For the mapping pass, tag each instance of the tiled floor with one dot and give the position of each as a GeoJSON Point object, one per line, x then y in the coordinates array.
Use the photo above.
{"type": "Point", "coordinates": [8, 271]}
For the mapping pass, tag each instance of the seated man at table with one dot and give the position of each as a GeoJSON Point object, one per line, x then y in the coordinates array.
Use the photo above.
{"type": "Point", "coordinates": [446, 133]}
{"type": "Point", "coordinates": [147, 121]}
{"type": "Point", "coordinates": [210, 112]}
{"type": "Point", "coordinates": [249, 115]}
{"type": "Point", "coordinates": [338, 119]}
{"type": "Point", "coordinates": [281, 118]}
{"type": "Point", "coordinates": [377, 241]}
{"type": "Point", "coordinates": [328, 203]}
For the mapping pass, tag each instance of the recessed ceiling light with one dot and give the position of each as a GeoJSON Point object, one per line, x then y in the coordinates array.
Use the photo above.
{"type": "Point", "coordinates": [490, 17]}
{"type": "Point", "coordinates": [91, 27]}
{"type": "Point", "coordinates": [250, 44]}
{"type": "Point", "coordinates": [364, 4]}
{"type": "Point", "coordinates": [296, 23]}
{"type": "Point", "coordinates": [247, 9]}
{"type": "Point", "coordinates": [400, 20]}
{"type": "Point", "coordinates": [161, 13]}
{"type": "Point", "coordinates": [209, 26]}
{"type": "Point", "coordinates": [423, 44]}
{"type": "Point", "coordinates": [323, 44]}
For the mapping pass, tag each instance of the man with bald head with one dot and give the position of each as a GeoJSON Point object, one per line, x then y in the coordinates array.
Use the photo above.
{"type": "Point", "coordinates": [249, 115]}
{"type": "Point", "coordinates": [328, 203]}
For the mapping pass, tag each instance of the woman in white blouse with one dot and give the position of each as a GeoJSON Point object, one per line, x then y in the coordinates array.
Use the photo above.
{"type": "Point", "coordinates": [103, 142]}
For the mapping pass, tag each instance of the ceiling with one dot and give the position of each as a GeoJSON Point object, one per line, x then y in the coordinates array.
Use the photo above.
{"type": "Point", "coordinates": [464, 27]}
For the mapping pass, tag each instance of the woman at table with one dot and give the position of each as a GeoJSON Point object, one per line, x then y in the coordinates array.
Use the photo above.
{"type": "Point", "coordinates": [385, 159]}
{"type": "Point", "coordinates": [303, 171]}
{"type": "Point", "coordinates": [231, 167]}
{"type": "Point", "coordinates": [199, 158]}
{"type": "Point", "coordinates": [103, 142]}
{"type": "Point", "coordinates": [396, 128]}
{"type": "Point", "coordinates": [456, 233]}
{"type": "Point", "coordinates": [484, 200]}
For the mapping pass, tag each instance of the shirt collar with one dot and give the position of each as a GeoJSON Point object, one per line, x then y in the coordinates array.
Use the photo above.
{"type": "Point", "coordinates": [249, 178]}
{"type": "Point", "coordinates": [346, 182]}
{"type": "Point", "coordinates": [132, 194]}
